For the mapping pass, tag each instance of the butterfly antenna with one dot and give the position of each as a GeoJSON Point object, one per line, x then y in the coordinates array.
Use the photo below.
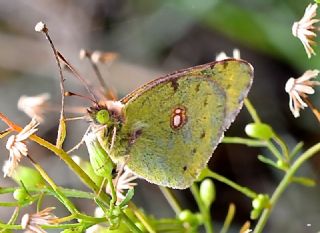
{"type": "Point", "coordinates": [94, 58]}
{"type": "Point", "coordinates": [78, 76]}
{"type": "Point", "coordinates": [69, 93]}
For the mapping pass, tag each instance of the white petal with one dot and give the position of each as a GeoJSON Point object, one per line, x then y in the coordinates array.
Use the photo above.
{"type": "Point", "coordinates": [304, 88]}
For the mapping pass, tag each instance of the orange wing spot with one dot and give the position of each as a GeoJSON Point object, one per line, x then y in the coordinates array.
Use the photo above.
{"type": "Point", "coordinates": [178, 117]}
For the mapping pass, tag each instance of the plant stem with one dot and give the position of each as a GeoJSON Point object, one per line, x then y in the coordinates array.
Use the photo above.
{"type": "Point", "coordinates": [252, 111]}
{"type": "Point", "coordinates": [67, 192]}
{"type": "Point", "coordinates": [73, 166]}
{"type": "Point", "coordinates": [244, 190]}
{"type": "Point", "coordinates": [244, 141]}
{"type": "Point", "coordinates": [167, 193]}
{"type": "Point", "coordinates": [283, 185]}
{"type": "Point", "coordinates": [229, 218]}
{"type": "Point", "coordinates": [142, 218]}
{"type": "Point", "coordinates": [65, 201]}
{"type": "Point", "coordinates": [205, 212]}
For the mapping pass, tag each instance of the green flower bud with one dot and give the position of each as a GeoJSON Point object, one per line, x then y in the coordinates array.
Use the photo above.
{"type": "Point", "coordinates": [283, 165]}
{"type": "Point", "coordinates": [30, 177]}
{"type": "Point", "coordinates": [259, 131]}
{"type": "Point", "coordinates": [87, 167]}
{"type": "Point", "coordinates": [186, 216]}
{"type": "Point", "coordinates": [260, 202]}
{"type": "Point", "coordinates": [254, 214]}
{"type": "Point", "coordinates": [207, 192]}
{"type": "Point", "coordinates": [21, 195]}
{"type": "Point", "coordinates": [99, 159]}
{"type": "Point", "coordinates": [189, 217]}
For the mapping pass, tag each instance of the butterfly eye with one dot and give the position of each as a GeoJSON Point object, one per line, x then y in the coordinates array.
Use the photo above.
{"type": "Point", "coordinates": [103, 117]}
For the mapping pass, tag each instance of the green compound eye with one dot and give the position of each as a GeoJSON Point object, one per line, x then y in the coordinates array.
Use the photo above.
{"type": "Point", "coordinates": [103, 117]}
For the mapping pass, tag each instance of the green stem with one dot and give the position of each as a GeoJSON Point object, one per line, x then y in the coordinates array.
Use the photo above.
{"type": "Point", "coordinates": [244, 141]}
{"type": "Point", "coordinates": [283, 185]}
{"type": "Point", "coordinates": [246, 191]}
{"type": "Point", "coordinates": [274, 150]}
{"type": "Point", "coordinates": [167, 193]}
{"type": "Point", "coordinates": [65, 201]}
{"type": "Point", "coordinates": [73, 166]}
{"type": "Point", "coordinates": [67, 192]}
{"type": "Point", "coordinates": [283, 146]}
{"type": "Point", "coordinates": [10, 227]}
{"type": "Point", "coordinates": [254, 143]}
{"type": "Point", "coordinates": [205, 212]}
{"type": "Point", "coordinates": [252, 111]}
{"type": "Point", "coordinates": [9, 204]}
{"type": "Point", "coordinates": [130, 224]}
{"type": "Point", "coordinates": [142, 218]}
{"type": "Point", "coordinates": [229, 218]}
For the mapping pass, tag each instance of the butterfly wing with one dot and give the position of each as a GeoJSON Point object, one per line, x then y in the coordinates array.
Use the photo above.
{"type": "Point", "coordinates": [173, 124]}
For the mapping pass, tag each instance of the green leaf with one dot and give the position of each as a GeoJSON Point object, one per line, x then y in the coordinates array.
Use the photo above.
{"type": "Point", "coordinates": [304, 181]}
{"type": "Point", "coordinates": [128, 197]}
{"type": "Point", "coordinates": [62, 133]}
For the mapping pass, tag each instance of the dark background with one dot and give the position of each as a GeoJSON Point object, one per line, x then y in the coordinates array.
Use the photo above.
{"type": "Point", "coordinates": [154, 38]}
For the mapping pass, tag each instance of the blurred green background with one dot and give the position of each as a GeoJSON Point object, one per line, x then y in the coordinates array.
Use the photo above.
{"type": "Point", "coordinates": [153, 38]}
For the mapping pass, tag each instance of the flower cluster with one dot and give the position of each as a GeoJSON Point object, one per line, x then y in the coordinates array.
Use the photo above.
{"type": "Point", "coordinates": [305, 29]}
{"type": "Point", "coordinates": [18, 148]}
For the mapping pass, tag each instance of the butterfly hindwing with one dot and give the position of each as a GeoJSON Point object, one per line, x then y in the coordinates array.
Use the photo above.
{"type": "Point", "coordinates": [173, 124]}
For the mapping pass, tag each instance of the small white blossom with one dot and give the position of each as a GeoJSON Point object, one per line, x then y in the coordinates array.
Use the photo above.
{"type": "Point", "coordinates": [40, 27]}
{"type": "Point", "coordinates": [17, 147]}
{"type": "Point", "coordinates": [122, 182]}
{"type": "Point", "coordinates": [33, 222]}
{"type": "Point", "coordinates": [304, 29]}
{"type": "Point", "coordinates": [34, 106]}
{"type": "Point", "coordinates": [299, 88]}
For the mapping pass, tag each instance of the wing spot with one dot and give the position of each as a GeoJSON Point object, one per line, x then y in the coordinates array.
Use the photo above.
{"type": "Point", "coordinates": [205, 103]}
{"type": "Point", "coordinates": [178, 117]}
{"type": "Point", "coordinates": [175, 84]}
{"type": "Point", "coordinates": [198, 87]}
{"type": "Point", "coordinates": [203, 134]}
{"type": "Point", "coordinates": [185, 168]}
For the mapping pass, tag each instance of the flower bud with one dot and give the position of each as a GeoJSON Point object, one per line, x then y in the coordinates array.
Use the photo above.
{"type": "Point", "coordinates": [21, 195]}
{"type": "Point", "coordinates": [207, 192]}
{"type": "Point", "coordinates": [30, 177]}
{"type": "Point", "coordinates": [260, 202]}
{"type": "Point", "coordinates": [259, 131]}
{"type": "Point", "coordinates": [99, 159]}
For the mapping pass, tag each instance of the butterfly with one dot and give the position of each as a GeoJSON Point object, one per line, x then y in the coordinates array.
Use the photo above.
{"type": "Point", "coordinates": [166, 130]}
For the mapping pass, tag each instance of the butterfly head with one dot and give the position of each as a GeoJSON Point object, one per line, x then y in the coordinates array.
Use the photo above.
{"type": "Point", "coordinates": [108, 113]}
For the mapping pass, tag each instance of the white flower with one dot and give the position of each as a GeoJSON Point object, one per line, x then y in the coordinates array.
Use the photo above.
{"type": "Point", "coordinates": [299, 88]}
{"type": "Point", "coordinates": [17, 147]}
{"type": "Point", "coordinates": [34, 106]}
{"type": "Point", "coordinates": [122, 182]}
{"type": "Point", "coordinates": [32, 222]}
{"type": "Point", "coordinates": [304, 29]}
{"type": "Point", "coordinates": [222, 56]}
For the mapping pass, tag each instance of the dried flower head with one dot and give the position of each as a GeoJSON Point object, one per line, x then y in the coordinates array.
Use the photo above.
{"type": "Point", "coordinates": [17, 147]}
{"type": "Point", "coordinates": [299, 88]}
{"type": "Point", "coordinates": [33, 222]}
{"type": "Point", "coordinates": [34, 106]}
{"type": "Point", "coordinates": [41, 27]}
{"type": "Point", "coordinates": [304, 29]}
{"type": "Point", "coordinates": [122, 182]}
{"type": "Point", "coordinates": [222, 56]}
